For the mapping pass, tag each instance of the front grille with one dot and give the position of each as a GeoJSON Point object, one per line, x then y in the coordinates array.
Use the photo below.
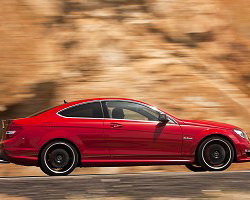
{"type": "Point", "coordinates": [248, 154]}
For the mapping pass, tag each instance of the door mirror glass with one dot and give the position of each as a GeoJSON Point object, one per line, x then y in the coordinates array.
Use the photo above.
{"type": "Point", "coordinates": [163, 118]}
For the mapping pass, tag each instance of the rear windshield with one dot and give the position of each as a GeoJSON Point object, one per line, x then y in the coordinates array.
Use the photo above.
{"type": "Point", "coordinates": [42, 111]}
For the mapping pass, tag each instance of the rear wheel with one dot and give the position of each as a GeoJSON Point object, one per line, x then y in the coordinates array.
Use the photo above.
{"type": "Point", "coordinates": [195, 168]}
{"type": "Point", "coordinates": [58, 158]}
{"type": "Point", "coordinates": [215, 154]}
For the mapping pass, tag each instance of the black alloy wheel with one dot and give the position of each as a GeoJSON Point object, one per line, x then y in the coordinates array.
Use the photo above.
{"type": "Point", "coordinates": [215, 154]}
{"type": "Point", "coordinates": [58, 159]}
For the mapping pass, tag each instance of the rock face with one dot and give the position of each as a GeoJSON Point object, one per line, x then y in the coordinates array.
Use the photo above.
{"type": "Point", "coordinates": [189, 57]}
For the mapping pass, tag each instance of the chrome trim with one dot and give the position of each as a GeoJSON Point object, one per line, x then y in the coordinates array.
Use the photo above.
{"type": "Point", "coordinates": [78, 117]}
{"type": "Point", "coordinates": [176, 160]}
{"type": "Point", "coordinates": [129, 120]}
{"type": "Point", "coordinates": [187, 138]}
{"type": "Point", "coordinates": [93, 101]}
{"type": "Point", "coordinates": [133, 120]}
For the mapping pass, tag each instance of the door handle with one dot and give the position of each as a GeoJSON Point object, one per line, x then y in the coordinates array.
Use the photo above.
{"type": "Point", "coordinates": [115, 125]}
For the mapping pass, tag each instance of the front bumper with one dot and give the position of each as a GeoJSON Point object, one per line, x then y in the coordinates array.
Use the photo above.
{"type": "Point", "coordinates": [244, 152]}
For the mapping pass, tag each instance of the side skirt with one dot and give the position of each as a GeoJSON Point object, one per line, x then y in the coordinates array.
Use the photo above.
{"type": "Point", "coordinates": [120, 163]}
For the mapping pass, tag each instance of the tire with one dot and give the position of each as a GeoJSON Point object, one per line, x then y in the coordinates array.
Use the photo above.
{"type": "Point", "coordinates": [195, 168]}
{"type": "Point", "coordinates": [215, 154]}
{"type": "Point", "coordinates": [58, 158]}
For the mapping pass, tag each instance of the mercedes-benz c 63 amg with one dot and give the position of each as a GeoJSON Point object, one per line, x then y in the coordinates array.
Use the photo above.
{"type": "Point", "coordinates": [119, 132]}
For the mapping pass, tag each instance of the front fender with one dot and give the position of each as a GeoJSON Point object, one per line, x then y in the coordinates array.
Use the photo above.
{"type": "Point", "coordinates": [196, 134]}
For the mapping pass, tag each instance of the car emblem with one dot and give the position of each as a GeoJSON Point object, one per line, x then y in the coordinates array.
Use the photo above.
{"type": "Point", "coordinates": [187, 138]}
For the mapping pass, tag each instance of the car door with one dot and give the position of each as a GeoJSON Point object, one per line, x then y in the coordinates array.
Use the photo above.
{"type": "Point", "coordinates": [84, 122]}
{"type": "Point", "coordinates": [134, 132]}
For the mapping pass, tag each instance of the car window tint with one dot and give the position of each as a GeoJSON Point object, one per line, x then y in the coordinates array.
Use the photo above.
{"type": "Point", "coordinates": [130, 110]}
{"type": "Point", "coordinates": [88, 110]}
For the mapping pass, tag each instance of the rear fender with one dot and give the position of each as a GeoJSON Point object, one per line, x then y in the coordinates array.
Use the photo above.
{"type": "Point", "coordinates": [53, 135]}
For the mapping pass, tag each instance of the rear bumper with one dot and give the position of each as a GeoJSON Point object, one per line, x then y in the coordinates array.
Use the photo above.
{"type": "Point", "coordinates": [3, 158]}
{"type": "Point", "coordinates": [13, 151]}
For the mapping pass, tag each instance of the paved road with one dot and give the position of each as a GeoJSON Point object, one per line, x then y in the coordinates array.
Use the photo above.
{"type": "Point", "coordinates": [155, 186]}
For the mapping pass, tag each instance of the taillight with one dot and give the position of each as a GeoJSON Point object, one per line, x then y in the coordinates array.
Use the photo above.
{"type": "Point", "coordinates": [5, 125]}
{"type": "Point", "coordinates": [10, 130]}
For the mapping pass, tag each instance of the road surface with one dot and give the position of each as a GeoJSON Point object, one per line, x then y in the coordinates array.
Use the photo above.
{"type": "Point", "coordinates": [153, 186]}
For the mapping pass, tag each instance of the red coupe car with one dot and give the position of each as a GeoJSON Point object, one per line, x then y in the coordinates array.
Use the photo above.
{"type": "Point", "coordinates": [119, 132]}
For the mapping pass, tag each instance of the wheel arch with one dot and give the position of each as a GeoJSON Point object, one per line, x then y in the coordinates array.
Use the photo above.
{"type": "Point", "coordinates": [61, 140]}
{"type": "Point", "coordinates": [218, 135]}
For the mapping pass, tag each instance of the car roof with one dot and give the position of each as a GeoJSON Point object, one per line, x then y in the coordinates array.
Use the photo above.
{"type": "Point", "coordinates": [65, 105]}
{"type": "Point", "coordinates": [103, 99]}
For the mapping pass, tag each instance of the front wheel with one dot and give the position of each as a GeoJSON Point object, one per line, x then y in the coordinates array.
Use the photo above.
{"type": "Point", "coordinates": [58, 158]}
{"type": "Point", "coordinates": [215, 154]}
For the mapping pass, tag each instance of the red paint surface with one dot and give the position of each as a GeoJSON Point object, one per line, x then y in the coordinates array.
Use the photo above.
{"type": "Point", "coordinates": [111, 142]}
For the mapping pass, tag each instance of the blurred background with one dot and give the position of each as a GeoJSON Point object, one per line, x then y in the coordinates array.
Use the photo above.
{"type": "Point", "coordinates": [190, 58]}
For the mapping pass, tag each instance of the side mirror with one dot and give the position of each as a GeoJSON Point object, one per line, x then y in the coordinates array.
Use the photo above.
{"type": "Point", "coordinates": [163, 118]}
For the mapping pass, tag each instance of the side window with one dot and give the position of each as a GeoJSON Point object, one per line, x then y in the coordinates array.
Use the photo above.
{"type": "Point", "coordinates": [130, 110]}
{"type": "Point", "coordinates": [88, 110]}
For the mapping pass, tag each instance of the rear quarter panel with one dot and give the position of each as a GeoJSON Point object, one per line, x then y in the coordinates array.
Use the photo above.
{"type": "Point", "coordinates": [33, 133]}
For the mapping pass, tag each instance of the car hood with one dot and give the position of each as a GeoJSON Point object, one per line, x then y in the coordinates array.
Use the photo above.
{"type": "Point", "coordinates": [209, 124]}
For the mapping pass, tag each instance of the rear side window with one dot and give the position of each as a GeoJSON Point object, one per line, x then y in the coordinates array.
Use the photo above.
{"type": "Point", "coordinates": [87, 110]}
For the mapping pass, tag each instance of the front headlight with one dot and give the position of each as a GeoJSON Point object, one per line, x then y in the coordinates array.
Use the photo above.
{"type": "Point", "coordinates": [241, 133]}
